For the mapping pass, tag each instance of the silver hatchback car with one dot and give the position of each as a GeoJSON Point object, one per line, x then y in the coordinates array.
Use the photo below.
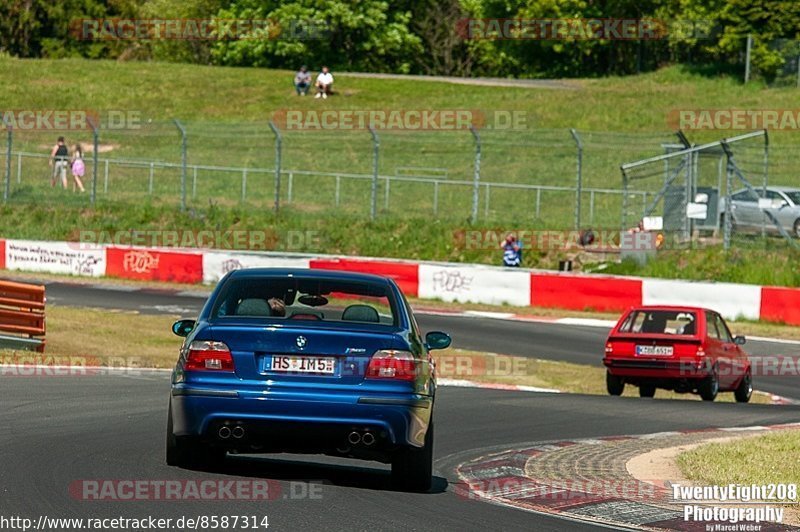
{"type": "Point", "coordinates": [748, 211]}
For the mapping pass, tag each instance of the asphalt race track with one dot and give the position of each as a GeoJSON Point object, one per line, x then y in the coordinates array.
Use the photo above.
{"type": "Point", "coordinates": [59, 430]}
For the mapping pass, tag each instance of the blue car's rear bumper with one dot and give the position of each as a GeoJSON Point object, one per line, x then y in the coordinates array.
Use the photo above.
{"type": "Point", "coordinates": [400, 419]}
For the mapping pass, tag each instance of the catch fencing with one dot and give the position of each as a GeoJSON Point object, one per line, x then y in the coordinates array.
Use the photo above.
{"type": "Point", "coordinates": [708, 194]}
{"type": "Point", "coordinates": [546, 178]}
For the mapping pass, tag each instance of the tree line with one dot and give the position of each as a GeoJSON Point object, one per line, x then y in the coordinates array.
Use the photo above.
{"type": "Point", "coordinates": [438, 37]}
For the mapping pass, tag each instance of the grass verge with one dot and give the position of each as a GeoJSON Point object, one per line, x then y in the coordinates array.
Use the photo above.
{"type": "Point", "coordinates": [757, 460]}
{"type": "Point", "coordinates": [225, 111]}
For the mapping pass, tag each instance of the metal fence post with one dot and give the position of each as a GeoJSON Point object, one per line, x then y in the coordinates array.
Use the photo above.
{"type": "Point", "coordinates": [476, 177]}
{"type": "Point", "coordinates": [105, 178]}
{"type": "Point", "coordinates": [624, 199]}
{"type": "Point", "coordinates": [183, 162]}
{"type": "Point", "coordinates": [95, 149]}
{"type": "Point", "coordinates": [376, 146]}
{"type": "Point", "coordinates": [289, 188]}
{"type": "Point", "coordinates": [766, 182]}
{"type": "Point", "coordinates": [9, 142]}
{"type": "Point", "coordinates": [726, 235]}
{"type": "Point", "coordinates": [278, 150]}
{"type": "Point", "coordinates": [150, 181]}
{"type": "Point", "coordinates": [579, 178]}
{"type": "Point", "coordinates": [748, 54]}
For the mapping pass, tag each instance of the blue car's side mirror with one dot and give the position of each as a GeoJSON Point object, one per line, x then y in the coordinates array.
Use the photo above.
{"type": "Point", "coordinates": [183, 327]}
{"type": "Point", "coordinates": [437, 340]}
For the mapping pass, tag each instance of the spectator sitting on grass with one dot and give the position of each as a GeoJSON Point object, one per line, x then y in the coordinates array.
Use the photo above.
{"type": "Point", "coordinates": [512, 251]}
{"type": "Point", "coordinates": [324, 83]}
{"type": "Point", "coordinates": [302, 80]}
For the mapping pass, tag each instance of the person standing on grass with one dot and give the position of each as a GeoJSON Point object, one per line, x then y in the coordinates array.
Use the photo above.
{"type": "Point", "coordinates": [302, 80]}
{"type": "Point", "coordinates": [59, 159]}
{"type": "Point", "coordinates": [324, 83]}
{"type": "Point", "coordinates": [78, 168]}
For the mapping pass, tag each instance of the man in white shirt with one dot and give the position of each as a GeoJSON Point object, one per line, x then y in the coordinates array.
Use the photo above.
{"type": "Point", "coordinates": [324, 83]}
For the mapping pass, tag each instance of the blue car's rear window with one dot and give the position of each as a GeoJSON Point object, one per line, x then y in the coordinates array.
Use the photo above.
{"type": "Point", "coordinates": [311, 300]}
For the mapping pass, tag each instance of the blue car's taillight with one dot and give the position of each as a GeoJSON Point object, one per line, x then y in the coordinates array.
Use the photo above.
{"type": "Point", "coordinates": [392, 364]}
{"type": "Point", "coordinates": [205, 355]}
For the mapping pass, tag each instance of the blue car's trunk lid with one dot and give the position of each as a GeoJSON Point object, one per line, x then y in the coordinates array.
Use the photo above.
{"type": "Point", "coordinates": [294, 354]}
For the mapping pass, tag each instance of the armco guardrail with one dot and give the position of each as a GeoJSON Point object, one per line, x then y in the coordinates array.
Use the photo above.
{"type": "Point", "coordinates": [22, 320]}
{"type": "Point", "coordinates": [466, 283]}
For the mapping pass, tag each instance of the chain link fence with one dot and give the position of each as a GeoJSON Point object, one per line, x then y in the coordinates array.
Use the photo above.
{"type": "Point", "coordinates": [717, 193]}
{"type": "Point", "coordinates": [548, 179]}
{"type": "Point", "coordinates": [552, 178]}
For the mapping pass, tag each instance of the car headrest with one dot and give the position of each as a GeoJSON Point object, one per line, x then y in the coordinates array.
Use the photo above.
{"type": "Point", "coordinates": [654, 325]}
{"type": "Point", "coordinates": [360, 313]}
{"type": "Point", "coordinates": [253, 307]}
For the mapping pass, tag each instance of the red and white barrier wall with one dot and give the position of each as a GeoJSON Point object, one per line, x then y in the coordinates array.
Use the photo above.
{"type": "Point", "coordinates": [464, 283]}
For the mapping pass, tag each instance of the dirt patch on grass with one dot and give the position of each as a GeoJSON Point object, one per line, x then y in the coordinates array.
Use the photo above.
{"type": "Point", "coordinates": [87, 147]}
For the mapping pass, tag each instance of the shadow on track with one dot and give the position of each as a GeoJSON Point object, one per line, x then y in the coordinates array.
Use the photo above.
{"type": "Point", "coordinates": [270, 468]}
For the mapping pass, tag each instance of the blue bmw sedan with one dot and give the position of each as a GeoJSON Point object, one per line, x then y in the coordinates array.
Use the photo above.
{"type": "Point", "coordinates": [305, 361]}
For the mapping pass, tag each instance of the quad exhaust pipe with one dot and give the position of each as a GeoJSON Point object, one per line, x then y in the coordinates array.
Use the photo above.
{"type": "Point", "coordinates": [354, 438]}
{"type": "Point", "coordinates": [224, 433]}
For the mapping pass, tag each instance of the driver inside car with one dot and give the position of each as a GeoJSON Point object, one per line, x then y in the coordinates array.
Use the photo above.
{"type": "Point", "coordinates": [277, 306]}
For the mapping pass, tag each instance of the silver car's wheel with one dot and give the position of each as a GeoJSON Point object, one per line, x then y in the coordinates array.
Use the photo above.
{"type": "Point", "coordinates": [797, 228]}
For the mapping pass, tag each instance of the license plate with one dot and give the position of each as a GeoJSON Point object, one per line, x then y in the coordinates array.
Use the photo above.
{"type": "Point", "coordinates": [656, 350]}
{"type": "Point", "coordinates": [299, 364]}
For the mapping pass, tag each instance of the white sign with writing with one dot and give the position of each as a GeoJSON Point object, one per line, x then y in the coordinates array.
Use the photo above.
{"type": "Point", "coordinates": [56, 257]}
